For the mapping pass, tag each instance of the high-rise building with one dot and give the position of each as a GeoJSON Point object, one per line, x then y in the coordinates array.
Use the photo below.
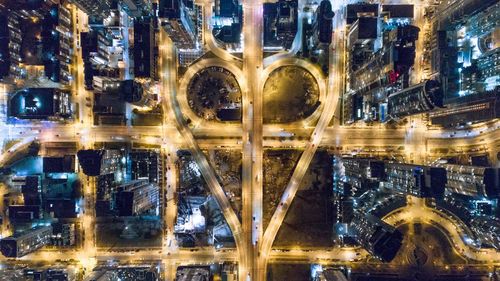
{"type": "Point", "coordinates": [377, 237]}
{"type": "Point", "coordinates": [34, 34]}
{"type": "Point", "coordinates": [31, 190]}
{"type": "Point", "coordinates": [15, 40]}
{"type": "Point", "coordinates": [95, 8]}
{"type": "Point", "coordinates": [40, 103]}
{"type": "Point", "coordinates": [169, 9]}
{"type": "Point", "coordinates": [419, 181]}
{"type": "Point", "coordinates": [359, 10]}
{"type": "Point", "coordinates": [61, 208]}
{"type": "Point", "coordinates": [136, 198]}
{"type": "Point", "coordinates": [64, 164]}
{"type": "Point", "coordinates": [468, 109]}
{"type": "Point", "coordinates": [24, 213]}
{"type": "Point", "coordinates": [363, 31]}
{"type": "Point", "coordinates": [99, 162]}
{"type": "Point", "coordinates": [25, 242]}
{"type": "Point", "coordinates": [65, 29]}
{"type": "Point", "coordinates": [382, 72]}
{"type": "Point", "coordinates": [144, 43]}
{"type": "Point", "coordinates": [4, 46]}
{"type": "Point", "coordinates": [286, 22]}
{"type": "Point", "coordinates": [63, 234]}
{"type": "Point", "coordinates": [416, 99]}
{"type": "Point", "coordinates": [323, 23]}
{"type": "Point", "coordinates": [361, 174]}
{"type": "Point", "coordinates": [144, 165]}
{"type": "Point", "coordinates": [183, 22]}
{"type": "Point", "coordinates": [473, 181]}
{"type": "Point", "coordinates": [398, 10]}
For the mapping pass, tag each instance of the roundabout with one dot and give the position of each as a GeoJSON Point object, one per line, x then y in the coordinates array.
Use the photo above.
{"type": "Point", "coordinates": [291, 93]}
{"type": "Point", "coordinates": [214, 94]}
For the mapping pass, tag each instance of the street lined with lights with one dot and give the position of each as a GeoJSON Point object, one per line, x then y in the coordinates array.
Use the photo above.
{"type": "Point", "coordinates": [321, 129]}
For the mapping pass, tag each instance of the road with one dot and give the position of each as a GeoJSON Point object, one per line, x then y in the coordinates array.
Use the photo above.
{"type": "Point", "coordinates": [209, 40]}
{"type": "Point", "coordinates": [252, 140]}
{"type": "Point", "coordinates": [168, 60]}
{"type": "Point", "coordinates": [297, 42]}
{"type": "Point", "coordinates": [334, 91]}
{"type": "Point", "coordinates": [204, 255]}
{"type": "Point", "coordinates": [454, 230]}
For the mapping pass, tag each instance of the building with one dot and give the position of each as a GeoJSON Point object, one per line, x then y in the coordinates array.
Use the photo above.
{"type": "Point", "coordinates": [468, 109]}
{"type": "Point", "coordinates": [40, 103]}
{"type": "Point", "coordinates": [14, 22]}
{"type": "Point", "coordinates": [106, 46]}
{"type": "Point", "coordinates": [484, 227]}
{"type": "Point", "coordinates": [462, 51]}
{"type": "Point", "coordinates": [144, 44]}
{"type": "Point", "coordinates": [228, 15]}
{"type": "Point", "coordinates": [323, 23]}
{"type": "Point", "coordinates": [105, 191]}
{"type": "Point", "coordinates": [63, 234]}
{"type": "Point", "coordinates": [24, 213]}
{"type": "Point", "coordinates": [286, 22]}
{"type": "Point", "coordinates": [487, 230]}
{"type": "Point", "coordinates": [377, 73]}
{"type": "Point", "coordinates": [331, 274]}
{"type": "Point", "coordinates": [65, 56]}
{"type": "Point", "coordinates": [136, 198]}
{"type": "Point", "coordinates": [280, 24]}
{"type": "Point", "coordinates": [363, 31]}
{"type": "Point", "coordinates": [95, 8]}
{"type": "Point", "coordinates": [56, 275]}
{"type": "Point", "coordinates": [182, 20]}
{"type": "Point", "coordinates": [145, 165]}
{"type": "Point", "coordinates": [229, 272]}
{"type": "Point", "coordinates": [23, 243]}
{"type": "Point", "coordinates": [36, 36]}
{"type": "Point", "coordinates": [61, 208]}
{"type": "Point", "coordinates": [190, 219]}
{"type": "Point", "coordinates": [88, 43]}
{"type": "Point", "coordinates": [4, 46]}
{"type": "Point", "coordinates": [133, 92]}
{"type": "Point", "coordinates": [169, 9]}
{"type": "Point", "coordinates": [356, 11]}
{"type": "Point", "coordinates": [419, 181]}
{"type": "Point", "coordinates": [398, 10]}
{"type": "Point", "coordinates": [31, 190]}
{"type": "Point", "coordinates": [377, 237]}
{"type": "Point", "coordinates": [139, 273]}
{"type": "Point", "coordinates": [417, 99]}
{"type": "Point", "coordinates": [387, 64]}
{"type": "Point", "coordinates": [191, 273]}
{"type": "Point", "coordinates": [361, 174]}
{"type": "Point", "coordinates": [103, 84]}
{"type": "Point", "coordinates": [109, 109]}
{"type": "Point", "coordinates": [99, 162]}
{"type": "Point", "coordinates": [225, 8]}
{"type": "Point", "coordinates": [346, 214]}
{"type": "Point", "coordinates": [65, 164]}
{"type": "Point", "coordinates": [473, 181]}
{"type": "Point", "coordinates": [270, 13]}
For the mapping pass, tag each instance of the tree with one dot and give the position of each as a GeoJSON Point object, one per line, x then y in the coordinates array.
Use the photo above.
{"type": "Point", "coordinates": [34, 149]}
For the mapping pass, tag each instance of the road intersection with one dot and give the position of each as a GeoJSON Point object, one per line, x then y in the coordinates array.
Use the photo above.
{"type": "Point", "coordinates": [254, 244]}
